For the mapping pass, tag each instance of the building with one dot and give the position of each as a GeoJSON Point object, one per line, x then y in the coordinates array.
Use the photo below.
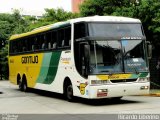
{"type": "Point", "coordinates": [75, 5]}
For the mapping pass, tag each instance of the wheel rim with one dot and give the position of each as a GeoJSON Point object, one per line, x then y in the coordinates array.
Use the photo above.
{"type": "Point", "coordinates": [69, 92]}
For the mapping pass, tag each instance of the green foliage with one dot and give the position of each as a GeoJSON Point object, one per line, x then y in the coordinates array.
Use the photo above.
{"type": "Point", "coordinates": [102, 7]}
{"type": "Point", "coordinates": [52, 16]}
{"type": "Point", "coordinates": [57, 15]}
{"type": "Point", "coordinates": [4, 62]}
{"type": "Point", "coordinates": [6, 26]}
{"type": "Point", "coordinates": [20, 23]}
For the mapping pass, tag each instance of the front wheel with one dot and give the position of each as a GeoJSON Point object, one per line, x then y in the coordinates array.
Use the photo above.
{"type": "Point", "coordinates": [69, 93]}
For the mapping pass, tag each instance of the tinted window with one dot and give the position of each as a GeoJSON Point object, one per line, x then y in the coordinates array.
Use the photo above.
{"type": "Point", "coordinates": [79, 30]}
{"type": "Point", "coordinates": [115, 30]}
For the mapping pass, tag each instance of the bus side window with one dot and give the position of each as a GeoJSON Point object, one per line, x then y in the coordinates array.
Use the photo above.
{"type": "Point", "coordinates": [67, 41]}
{"type": "Point", "coordinates": [44, 41]}
{"type": "Point", "coordinates": [29, 43]}
{"type": "Point", "coordinates": [36, 43]}
{"type": "Point", "coordinates": [15, 49]}
{"type": "Point", "coordinates": [79, 30]}
{"type": "Point", "coordinates": [53, 40]}
{"type": "Point", "coordinates": [48, 40]}
{"type": "Point", "coordinates": [24, 44]}
{"type": "Point", "coordinates": [32, 42]}
{"type": "Point", "coordinates": [11, 47]}
{"type": "Point", "coordinates": [19, 44]}
{"type": "Point", "coordinates": [60, 37]}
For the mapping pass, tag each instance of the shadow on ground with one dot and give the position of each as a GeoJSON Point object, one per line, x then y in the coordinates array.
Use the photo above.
{"type": "Point", "coordinates": [91, 102]}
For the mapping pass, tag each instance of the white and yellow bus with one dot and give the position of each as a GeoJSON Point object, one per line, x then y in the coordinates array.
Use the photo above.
{"type": "Point", "coordinates": [91, 57]}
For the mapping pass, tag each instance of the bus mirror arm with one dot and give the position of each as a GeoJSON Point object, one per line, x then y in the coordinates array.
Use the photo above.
{"type": "Point", "coordinates": [149, 49]}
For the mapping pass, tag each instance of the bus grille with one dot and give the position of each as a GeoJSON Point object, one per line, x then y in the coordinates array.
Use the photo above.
{"type": "Point", "coordinates": [123, 80]}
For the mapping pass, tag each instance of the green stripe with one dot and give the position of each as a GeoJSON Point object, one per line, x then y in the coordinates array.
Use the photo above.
{"type": "Point", "coordinates": [143, 75]}
{"type": "Point", "coordinates": [134, 76]}
{"type": "Point", "coordinates": [49, 68]}
{"type": "Point", "coordinates": [52, 68]}
{"type": "Point", "coordinates": [44, 67]}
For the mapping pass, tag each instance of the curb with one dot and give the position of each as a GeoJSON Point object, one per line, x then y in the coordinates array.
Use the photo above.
{"type": "Point", "coordinates": [152, 94]}
{"type": "Point", "coordinates": [155, 94]}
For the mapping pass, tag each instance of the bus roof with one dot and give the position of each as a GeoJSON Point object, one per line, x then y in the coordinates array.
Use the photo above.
{"type": "Point", "coordinates": [96, 18]}
{"type": "Point", "coordinates": [106, 19]}
{"type": "Point", "coordinates": [39, 30]}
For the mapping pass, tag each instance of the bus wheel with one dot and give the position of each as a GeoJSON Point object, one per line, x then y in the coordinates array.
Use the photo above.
{"type": "Point", "coordinates": [20, 85]}
{"type": "Point", "coordinates": [23, 85]}
{"type": "Point", "coordinates": [69, 93]}
{"type": "Point", "coordinates": [25, 88]}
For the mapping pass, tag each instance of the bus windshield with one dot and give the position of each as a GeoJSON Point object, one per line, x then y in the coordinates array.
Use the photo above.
{"type": "Point", "coordinates": [115, 30]}
{"type": "Point", "coordinates": [114, 47]}
{"type": "Point", "coordinates": [117, 56]}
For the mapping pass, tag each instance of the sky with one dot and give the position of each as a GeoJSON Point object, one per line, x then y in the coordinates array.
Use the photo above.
{"type": "Point", "coordinates": [33, 7]}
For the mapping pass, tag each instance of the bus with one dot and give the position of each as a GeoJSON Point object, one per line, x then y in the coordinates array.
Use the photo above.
{"type": "Point", "coordinates": [90, 57]}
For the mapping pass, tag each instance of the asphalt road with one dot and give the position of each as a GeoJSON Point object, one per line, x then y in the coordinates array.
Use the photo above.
{"type": "Point", "coordinates": [40, 102]}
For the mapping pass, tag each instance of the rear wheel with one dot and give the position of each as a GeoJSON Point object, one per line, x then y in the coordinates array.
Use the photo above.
{"type": "Point", "coordinates": [25, 88]}
{"type": "Point", "coordinates": [20, 85]}
{"type": "Point", "coordinates": [23, 85]}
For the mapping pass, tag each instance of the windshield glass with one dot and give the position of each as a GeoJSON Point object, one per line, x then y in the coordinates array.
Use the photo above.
{"type": "Point", "coordinates": [115, 30]}
{"type": "Point", "coordinates": [117, 56]}
{"type": "Point", "coordinates": [134, 55]}
{"type": "Point", "coordinates": [105, 56]}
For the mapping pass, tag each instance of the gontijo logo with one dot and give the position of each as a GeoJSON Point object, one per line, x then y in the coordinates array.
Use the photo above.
{"type": "Point", "coordinates": [65, 60]}
{"type": "Point", "coordinates": [29, 59]}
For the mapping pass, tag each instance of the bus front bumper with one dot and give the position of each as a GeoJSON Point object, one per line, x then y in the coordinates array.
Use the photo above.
{"type": "Point", "coordinates": [118, 90]}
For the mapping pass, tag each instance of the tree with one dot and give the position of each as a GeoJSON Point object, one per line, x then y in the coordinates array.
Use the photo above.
{"type": "Point", "coordinates": [57, 15]}
{"type": "Point", "coordinates": [52, 16]}
{"type": "Point", "coordinates": [4, 62]}
{"type": "Point", "coordinates": [9, 24]}
{"type": "Point", "coordinates": [20, 23]}
{"type": "Point", "coordinates": [102, 7]}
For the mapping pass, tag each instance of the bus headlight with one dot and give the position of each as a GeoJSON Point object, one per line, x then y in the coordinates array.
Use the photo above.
{"type": "Point", "coordinates": [144, 87]}
{"type": "Point", "coordinates": [96, 82]}
{"type": "Point", "coordinates": [143, 79]}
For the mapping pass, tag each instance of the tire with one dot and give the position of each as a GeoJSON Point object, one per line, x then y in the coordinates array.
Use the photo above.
{"type": "Point", "coordinates": [20, 85]}
{"type": "Point", "coordinates": [23, 86]}
{"type": "Point", "coordinates": [69, 93]}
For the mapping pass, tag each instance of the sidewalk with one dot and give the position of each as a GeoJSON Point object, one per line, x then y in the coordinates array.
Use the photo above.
{"type": "Point", "coordinates": [155, 92]}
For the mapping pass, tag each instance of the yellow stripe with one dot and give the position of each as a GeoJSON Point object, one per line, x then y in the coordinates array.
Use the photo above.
{"type": "Point", "coordinates": [65, 62]}
{"type": "Point", "coordinates": [114, 77]}
{"type": "Point", "coordinates": [38, 30]}
{"type": "Point", "coordinates": [28, 33]}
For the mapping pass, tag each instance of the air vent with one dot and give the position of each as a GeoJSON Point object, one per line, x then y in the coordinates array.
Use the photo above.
{"type": "Point", "coordinates": [123, 80]}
